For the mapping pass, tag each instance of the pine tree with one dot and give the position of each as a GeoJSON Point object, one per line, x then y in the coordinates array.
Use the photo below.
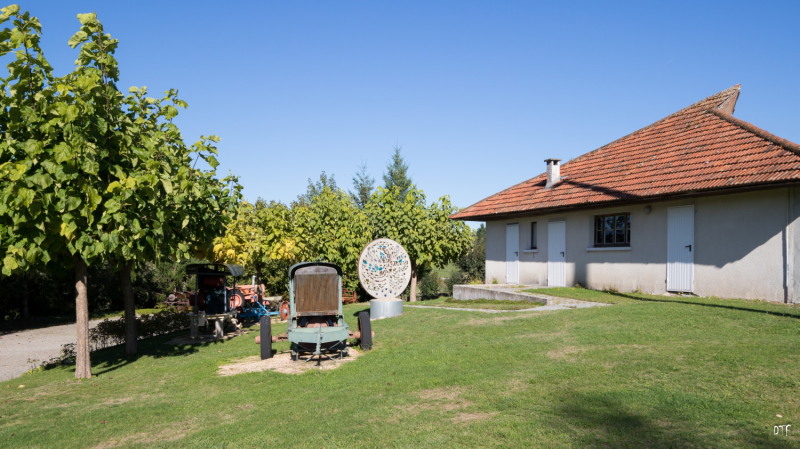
{"type": "Point", "coordinates": [397, 174]}
{"type": "Point", "coordinates": [315, 188]}
{"type": "Point", "coordinates": [363, 184]}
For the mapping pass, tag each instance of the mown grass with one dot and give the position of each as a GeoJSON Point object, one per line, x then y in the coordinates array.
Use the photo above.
{"type": "Point", "coordinates": [647, 372]}
{"type": "Point", "coordinates": [487, 304]}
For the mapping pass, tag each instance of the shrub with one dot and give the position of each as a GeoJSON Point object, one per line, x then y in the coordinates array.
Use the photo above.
{"type": "Point", "coordinates": [111, 332]}
{"type": "Point", "coordinates": [430, 285]}
{"type": "Point", "coordinates": [457, 278]}
{"type": "Point", "coordinates": [473, 262]}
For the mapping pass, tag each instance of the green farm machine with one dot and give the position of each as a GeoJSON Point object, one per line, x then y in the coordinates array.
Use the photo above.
{"type": "Point", "coordinates": [316, 326]}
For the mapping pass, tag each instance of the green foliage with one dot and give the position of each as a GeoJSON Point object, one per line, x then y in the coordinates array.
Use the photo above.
{"type": "Point", "coordinates": [330, 228]}
{"type": "Point", "coordinates": [51, 292]}
{"type": "Point", "coordinates": [270, 237]}
{"type": "Point", "coordinates": [425, 231]}
{"type": "Point", "coordinates": [315, 188]}
{"type": "Point", "coordinates": [473, 263]}
{"type": "Point", "coordinates": [363, 185]}
{"type": "Point", "coordinates": [455, 278]}
{"type": "Point", "coordinates": [262, 238]}
{"type": "Point", "coordinates": [93, 173]}
{"type": "Point", "coordinates": [111, 332]}
{"type": "Point", "coordinates": [397, 174]}
{"type": "Point", "coordinates": [430, 285]}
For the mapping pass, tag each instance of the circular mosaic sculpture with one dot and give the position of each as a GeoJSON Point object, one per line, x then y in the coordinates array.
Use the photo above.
{"type": "Point", "coordinates": [384, 268]}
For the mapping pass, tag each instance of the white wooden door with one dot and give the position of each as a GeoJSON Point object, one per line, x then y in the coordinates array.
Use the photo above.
{"type": "Point", "coordinates": [680, 249]}
{"type": "Point", "coordinates": [512, 253]}
{"type": "Point", "coordinates": [556, 254]}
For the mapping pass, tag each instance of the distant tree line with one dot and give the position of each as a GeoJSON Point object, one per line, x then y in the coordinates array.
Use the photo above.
{"type": "Point", "coordinates": [326, 223]}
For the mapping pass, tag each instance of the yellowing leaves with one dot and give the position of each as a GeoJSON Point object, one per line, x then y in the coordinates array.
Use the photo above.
{"type": "Point", "coordinates": [68, 229]}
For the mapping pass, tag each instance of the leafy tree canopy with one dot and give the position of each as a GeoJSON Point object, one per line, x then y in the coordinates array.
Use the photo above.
{"type": "Point", "coordinates": [425, 231]}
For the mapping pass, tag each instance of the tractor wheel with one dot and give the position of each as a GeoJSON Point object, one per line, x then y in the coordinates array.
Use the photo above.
{"type": "Point", "coordinates": [365, 327]}
{"type": "Point", "coordinates": [235, 299]}
{"type": "Point", "coordinates": [284, 310]}
{"type": "Point", "coordinates": [266, 338]}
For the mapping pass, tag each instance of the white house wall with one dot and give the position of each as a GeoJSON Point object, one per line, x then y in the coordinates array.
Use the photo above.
{"type": "Point", "coordinates": [743, 247]}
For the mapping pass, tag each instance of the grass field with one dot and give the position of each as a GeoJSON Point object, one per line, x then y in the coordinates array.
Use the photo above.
{"type": "Point", "coordinates": [648, 372]}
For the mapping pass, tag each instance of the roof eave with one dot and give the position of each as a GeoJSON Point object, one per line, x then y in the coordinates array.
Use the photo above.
{"type": "Point", "coordinates": [629, 201]}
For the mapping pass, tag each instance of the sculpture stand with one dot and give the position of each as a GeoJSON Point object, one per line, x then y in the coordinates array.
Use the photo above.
{"type": "Point", "coordinates": [385, 308]}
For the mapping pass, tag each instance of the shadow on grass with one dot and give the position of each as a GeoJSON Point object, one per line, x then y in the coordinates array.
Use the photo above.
{"type": "Point", "coordinates": [792, 314]}
{"type": "Point", "coordinates": [603, 421]}
{"type": "Point", "coordinates": [355, 314]}
{"type": "Point", "coordinates": [112, 358]}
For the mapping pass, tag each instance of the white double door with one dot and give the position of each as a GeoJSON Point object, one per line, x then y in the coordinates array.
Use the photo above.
{"type": "Point", "coordinates": [556, 253]}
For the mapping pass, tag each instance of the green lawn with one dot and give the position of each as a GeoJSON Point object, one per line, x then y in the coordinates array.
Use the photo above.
{"type": "Point", "coordinates": [647, 372]}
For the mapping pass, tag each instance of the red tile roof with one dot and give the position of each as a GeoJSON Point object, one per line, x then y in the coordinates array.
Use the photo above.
{"type": "Point", "coordinates": [699, 149]}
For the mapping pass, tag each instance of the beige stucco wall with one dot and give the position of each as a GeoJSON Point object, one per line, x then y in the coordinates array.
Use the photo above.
{"type": "Point", "coordinates": [742, 247]}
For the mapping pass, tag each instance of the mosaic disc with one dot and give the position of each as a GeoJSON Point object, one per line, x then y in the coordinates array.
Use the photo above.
{"type": "Point", "coordinates": [384, 268]}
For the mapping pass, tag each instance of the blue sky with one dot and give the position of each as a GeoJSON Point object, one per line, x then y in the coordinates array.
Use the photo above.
{"type": "Point", "coordinates": [477, 93]}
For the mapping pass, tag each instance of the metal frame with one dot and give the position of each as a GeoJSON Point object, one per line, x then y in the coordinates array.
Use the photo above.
{"type": "Point", "coordinates": [319, 334]}
{"type": "Point", "coordinates": [201, 317]}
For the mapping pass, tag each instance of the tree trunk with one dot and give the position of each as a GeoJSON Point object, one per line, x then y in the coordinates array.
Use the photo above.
{"type": "Point", "coordinates": [83, 363]}
{"type": "Point", "coordinates": [412, 292]}
{"type": "Point", "coordinates": [131, 334]}
{"type": "Point", "coordinates": [25, 309]}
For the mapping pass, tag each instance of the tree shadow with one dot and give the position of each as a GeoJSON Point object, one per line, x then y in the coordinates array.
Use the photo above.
{"type": "Point", "coordinates": [601, 420]}
{"type": "Point", "coordinates": [112, 358]}
{"type": "Point", "coordinates": [788, 314]}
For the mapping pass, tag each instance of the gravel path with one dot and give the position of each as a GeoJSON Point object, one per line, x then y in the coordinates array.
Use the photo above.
{"type": "Point", "coordinates": [24, 350]}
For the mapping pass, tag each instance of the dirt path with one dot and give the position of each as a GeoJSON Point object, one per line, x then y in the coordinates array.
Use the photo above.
{"type": "Point", "coordinates": [23, 350]}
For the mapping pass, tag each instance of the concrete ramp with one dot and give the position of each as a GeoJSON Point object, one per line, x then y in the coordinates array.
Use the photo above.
{"type": "Point", "coordinates": [498, 291]}
{"type": "Point", "coordinates": [515, 293]}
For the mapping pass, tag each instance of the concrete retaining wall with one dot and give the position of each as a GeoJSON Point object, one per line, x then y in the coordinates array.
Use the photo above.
{"type": "Point", "coordinates": [501, 292]}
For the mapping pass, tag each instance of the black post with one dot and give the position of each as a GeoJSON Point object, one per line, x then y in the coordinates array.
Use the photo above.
{"type": "Point", "coordinates": [266, 337]}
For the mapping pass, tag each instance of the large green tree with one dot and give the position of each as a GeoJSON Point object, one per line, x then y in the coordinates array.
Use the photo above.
{"type": "Point", "coordinates": [86, 176]}
{"type": "Point", "coordinates": [156, 201]}
{"type": "Point", "coordinates": [262, 239]}
{"type": "Point", "coordinates": [330, 227]}
{"type": "Point", "coordinates": [56, 154]}
{"type": "Point", "coordinates": [425, 231]}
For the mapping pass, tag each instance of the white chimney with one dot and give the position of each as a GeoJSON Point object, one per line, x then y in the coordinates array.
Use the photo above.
{"type": "Point", "coordinates": [553, 172]}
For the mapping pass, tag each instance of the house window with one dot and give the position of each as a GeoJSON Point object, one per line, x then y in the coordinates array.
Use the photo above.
{"type": "Point", "coordinates": [612, 230]}
{"type": "Point", "coordinates": [533, 235]}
